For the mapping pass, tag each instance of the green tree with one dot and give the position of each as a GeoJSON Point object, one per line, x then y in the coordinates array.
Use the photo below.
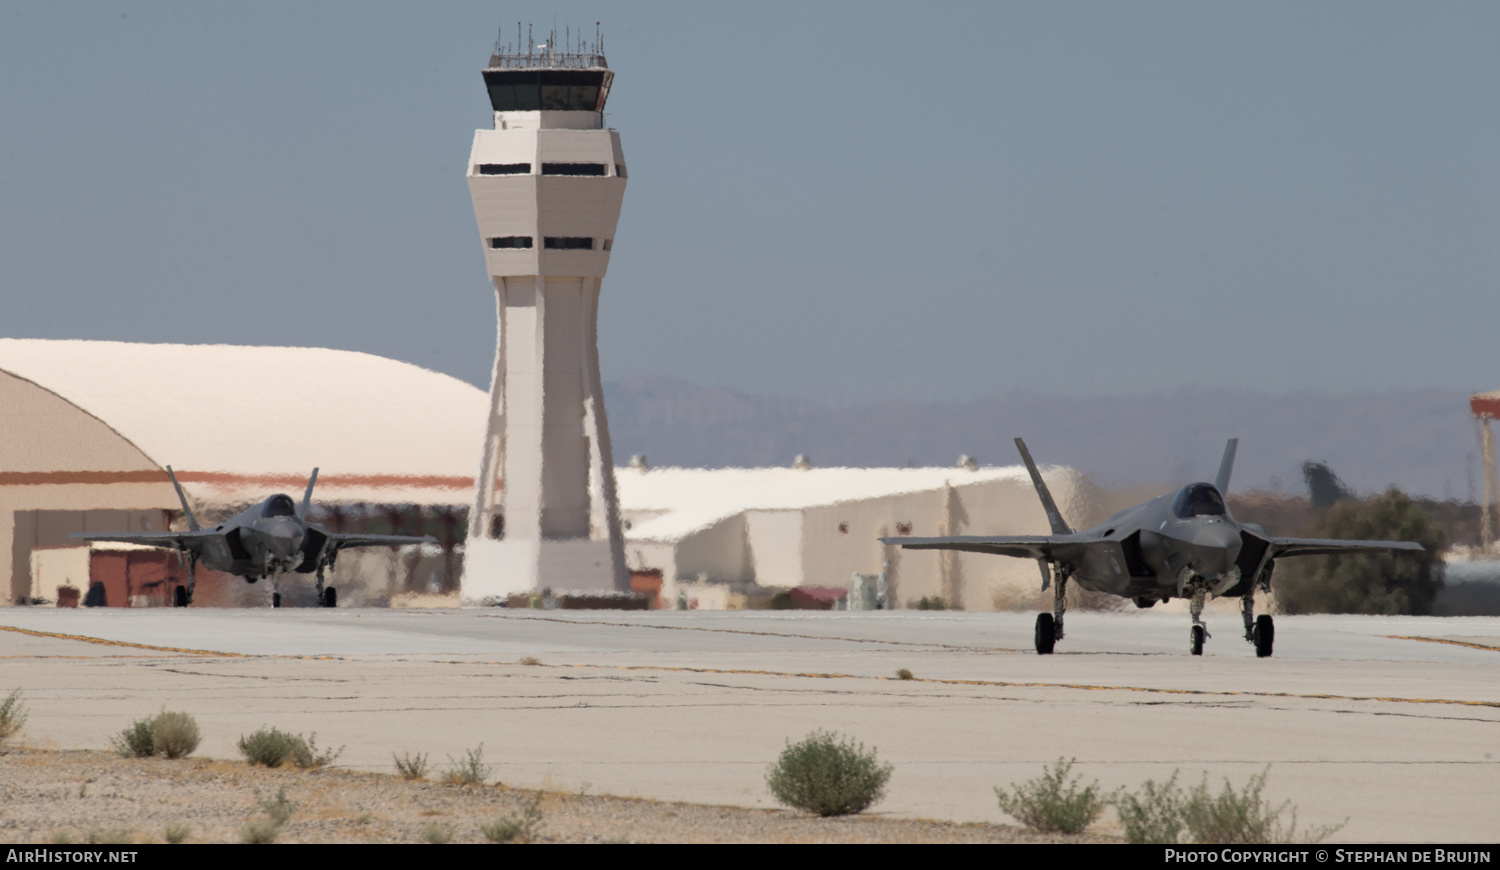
{"type": "Point", "coordinates": [1375, 583]}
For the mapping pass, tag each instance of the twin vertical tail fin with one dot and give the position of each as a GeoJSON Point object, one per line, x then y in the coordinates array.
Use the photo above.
{"type": "Point", "coordinates": [182, 497]}
{"type": "Point", "coordinates": [307, 496]}
{"type": "Point", "coordinates": [1059, 526]}
{"type": "Point", "coordinates": [1226, 466]}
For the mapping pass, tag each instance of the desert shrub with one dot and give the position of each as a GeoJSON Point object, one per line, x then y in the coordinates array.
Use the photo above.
{"type": "Point", "coordinates": [904, 674]}
{"type": "Point", "coordinates": [1385, 583]}
{"type": "Point", "coordinates": [279, 809]}
{"type": "Point", "coordinates": [470, 770]}
{"type": "Point", "coordinates": [259, 831]}
{"type": "Point", "coordinates": [828, 776]}
{"type": "Point", "coordinates": [272, 747]}
{"type": "Point", "coordinates": [111, 836]}
{"type": "Point", "coordinates": [12, 715]}
{"type": "Point", "coordinates": [516, 829]}
{"type": "Point", "coordinates": [1165, 813]}
{"type": "Point", "coordinates": [1243, 817]}
{"type": "Point", "coordinates": [268, 747]}
{"type": "Point", "coordinates": [1154, 815]}
{"type": "Point", "coordinates": [530, 660]}
{"type": "Point", "coordinates": [411, 767]}
{"type": "Point", "coordinates": [177, 832]}
{"type": "Point", "coordinates": [136, 741]}
{"type": "Point", "coordinates": [936, 602]}
{"type": "Point", "coordinates": [307, 756]}
{"type": "Point", "coordinates": [1050, 803]}
{"type": "Point", "coordinates": [437, 833]}
{"type": "Point", "coordinates": [175, 734]}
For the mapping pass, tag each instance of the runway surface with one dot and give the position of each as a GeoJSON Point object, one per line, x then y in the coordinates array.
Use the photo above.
{"type": "Point", "coordinates": [1390, 722]}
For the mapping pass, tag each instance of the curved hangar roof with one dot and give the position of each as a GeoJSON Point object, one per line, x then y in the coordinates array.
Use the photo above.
{"type": "Point", "coordinates": [239, 422]}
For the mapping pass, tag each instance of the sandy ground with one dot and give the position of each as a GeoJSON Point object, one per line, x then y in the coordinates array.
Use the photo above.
{"type": "Point", "coordinates": [83, 796]}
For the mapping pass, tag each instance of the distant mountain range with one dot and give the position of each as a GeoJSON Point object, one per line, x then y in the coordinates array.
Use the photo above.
{"type": "Point", "coordinates": [1422, 441]}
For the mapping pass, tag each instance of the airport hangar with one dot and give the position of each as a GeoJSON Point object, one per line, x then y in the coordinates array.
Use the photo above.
{"type": "Point", "coordinates": [88, 428]}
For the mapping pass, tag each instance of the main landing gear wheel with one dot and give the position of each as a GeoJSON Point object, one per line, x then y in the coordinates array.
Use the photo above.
{"type": "Point", "coordinates": [1198, 635]}
{"type": "Point", "coordinates": [1046, 636]}
{"type": "Point", "coordinates": [330, 597]}
{"type": "Point", "coordinates": [1265, 636]}
{"type": "Point", "coordinates": [275, 599]}
{"type": "Point", "coordinates": [179, 596]}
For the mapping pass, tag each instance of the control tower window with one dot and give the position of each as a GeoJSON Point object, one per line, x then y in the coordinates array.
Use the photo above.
{"type": "Point", "coordinates": [553, 90]}
{"type": "Point", "coordinates": [569, 243]}
{"type": "Point", "coordinates": [573, 168]}
{"type": "Point", "coordinates": [1199, 500]}
{"type": "Point", "coordinates": [608, 244]}
{"type": "Point", "coordinates": [511, 242]}
{"type": "Point", "coordinates": [503, 168]}
{"type": "Point", "coordinates": [620, 170]}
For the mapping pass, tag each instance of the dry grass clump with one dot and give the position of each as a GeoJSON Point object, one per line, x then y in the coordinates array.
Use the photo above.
{"type": "Point", "coordinates": [411, 767]}
{"type": "Point", "coordinates": [12, 715]}
{"type": "Point", "coordinates": [278, 811]}
{"type": "Point", "coordinates": [470, 770]}
{"type": "Point", "coordinates": [828, 776]}
{"type": "Point", "coordinates": [516, 829]}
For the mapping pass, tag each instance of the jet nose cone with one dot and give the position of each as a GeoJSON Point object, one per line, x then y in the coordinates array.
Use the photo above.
{"type": "Point", "coordinates": [1217, 546]}
{"type": "Point", "coordinates": [1218, 535]}
{"type": "Point", "coordinates": [284, 538]}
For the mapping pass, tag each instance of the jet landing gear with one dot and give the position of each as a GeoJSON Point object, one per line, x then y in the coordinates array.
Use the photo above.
{"type": "Point", "coordinates": [1049, 626]}
{"type": "Point", "coordinates": [1198, 587]}
{"type": "Point", "coordinates": [183, 596]}
{"type": "Point", "coordinates": [1259, 630]}
{"type": "Point", "coordinates": [326, 597]}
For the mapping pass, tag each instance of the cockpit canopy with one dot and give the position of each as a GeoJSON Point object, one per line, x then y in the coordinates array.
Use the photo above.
{"type": "Point", "coordinates": [279, 505]}
{"type": "Point", "coordinates": [1199, 500]}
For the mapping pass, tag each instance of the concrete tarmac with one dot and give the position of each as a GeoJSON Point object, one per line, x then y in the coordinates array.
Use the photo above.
{"type": "Point", "coordinates": [1390, 722]}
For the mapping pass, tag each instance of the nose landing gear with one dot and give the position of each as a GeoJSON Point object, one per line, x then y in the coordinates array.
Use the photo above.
{"type": "Point", "coordinates": [1198, 587]}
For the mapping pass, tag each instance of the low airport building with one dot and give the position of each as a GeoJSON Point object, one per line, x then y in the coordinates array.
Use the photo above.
{"type": "Point", "coordinates": [723, 538]}
{"type": "Point", "coordinates": [87, 429]}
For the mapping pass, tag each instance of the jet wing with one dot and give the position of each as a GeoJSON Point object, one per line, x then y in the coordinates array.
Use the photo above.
{"type": "Point", "coordinates": [1048, 547]}
{"type": "Point", "coordinates": [1327, 546]}
{"type": "Point", "coordinates": [339, 542]}
{"type": "Point", "coordinates": [170, 540]}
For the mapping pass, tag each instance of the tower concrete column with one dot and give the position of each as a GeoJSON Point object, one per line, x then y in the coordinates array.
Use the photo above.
{"type": "Point", "coordinates": [547, 184]}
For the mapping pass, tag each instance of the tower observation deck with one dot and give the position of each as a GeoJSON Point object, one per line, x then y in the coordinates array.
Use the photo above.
{"type": "Point", "coordinates": [547, 183]}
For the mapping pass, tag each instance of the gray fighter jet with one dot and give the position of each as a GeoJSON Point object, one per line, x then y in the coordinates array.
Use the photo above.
{"type": "Point", "coordinates": [1181, 545]}
{"type": "Point", "coordinates": [266, 540]}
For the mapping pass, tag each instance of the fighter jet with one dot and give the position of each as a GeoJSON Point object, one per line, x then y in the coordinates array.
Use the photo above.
{"type": "Point", "coordinates": [266, 540]}
{"type": "Point", "coordinates": [1183, 544]}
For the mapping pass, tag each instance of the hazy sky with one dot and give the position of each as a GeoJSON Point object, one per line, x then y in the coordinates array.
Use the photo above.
{"type": "Point", "coordinates": [837, 200]}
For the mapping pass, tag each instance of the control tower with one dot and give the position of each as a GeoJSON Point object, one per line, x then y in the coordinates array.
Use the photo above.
{"type": "Point", "coordinates": [547, 183]}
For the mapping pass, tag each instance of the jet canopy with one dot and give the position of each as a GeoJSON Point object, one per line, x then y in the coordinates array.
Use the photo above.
{"type": "Point", "coordinates": [279, 505]}
{"type": "Point", "coordinates": [1199, 500]}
